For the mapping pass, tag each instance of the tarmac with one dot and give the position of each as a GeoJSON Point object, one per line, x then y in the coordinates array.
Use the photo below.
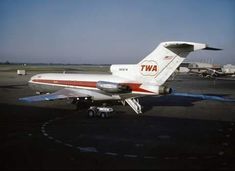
{"type": "Point", "coordinates": [173, 132]}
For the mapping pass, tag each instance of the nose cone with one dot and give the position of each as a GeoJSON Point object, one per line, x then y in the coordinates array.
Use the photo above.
{"type": "Point", "coordinates": [31, 79]}
{"type": "Point", "coordinates": [35, 77]}
{"type": "Point", "coordinates": [32, 82]}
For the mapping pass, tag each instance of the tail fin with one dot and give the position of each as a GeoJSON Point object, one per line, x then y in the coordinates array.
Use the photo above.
{"type": "Point", "coordinates": [158, 66]}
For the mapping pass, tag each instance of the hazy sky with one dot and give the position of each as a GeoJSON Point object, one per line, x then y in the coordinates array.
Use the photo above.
{"type": "Point", "coordinates": [112, 31]}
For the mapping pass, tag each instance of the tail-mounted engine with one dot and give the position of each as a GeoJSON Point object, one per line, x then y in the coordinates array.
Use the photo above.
{"type": "Point", "coordinates": [165, 90]}
{"type": "Point", "coordinates": [111, 87]}
{"type": "Point", "coordinates": [158, 90]}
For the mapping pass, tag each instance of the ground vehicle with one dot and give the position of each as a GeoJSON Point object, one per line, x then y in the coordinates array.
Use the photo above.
{"type": "Point", "coordinates": [103, 112]}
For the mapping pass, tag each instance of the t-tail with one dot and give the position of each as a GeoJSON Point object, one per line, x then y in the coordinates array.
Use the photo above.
{"type": "Point", "coordinates": [159, 65]}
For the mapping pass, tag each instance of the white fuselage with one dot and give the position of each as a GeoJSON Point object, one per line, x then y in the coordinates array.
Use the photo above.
{"type": "Point", "coordinates": [56, 81]}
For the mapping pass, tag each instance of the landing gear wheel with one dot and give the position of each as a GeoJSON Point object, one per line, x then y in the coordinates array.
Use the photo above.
{"type": "Point", "coordinates": [91, 113]}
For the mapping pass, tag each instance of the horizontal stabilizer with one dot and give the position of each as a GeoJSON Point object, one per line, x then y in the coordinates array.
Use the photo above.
{"type": "Point", "coordinates": [191, 46]}
{"type": "Point", "coordinates": [211, 48]}
{"type": "Point", "coordinates": [178, 45]}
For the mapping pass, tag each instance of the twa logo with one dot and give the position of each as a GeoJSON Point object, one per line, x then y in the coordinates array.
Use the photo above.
{"type": "Point", "coordinates": [148, 68]}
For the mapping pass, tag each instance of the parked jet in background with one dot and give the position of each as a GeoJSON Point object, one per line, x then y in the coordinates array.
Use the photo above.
{"type": "Point", "coordinates": [126, 83]}
{"type": "Point", "coordinates": [227, 72]}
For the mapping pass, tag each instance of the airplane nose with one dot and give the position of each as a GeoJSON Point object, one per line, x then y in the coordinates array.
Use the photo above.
{"type": "Point", "coordinates": [31, 82]}
{"type": "Point", "coordinates": [31, 79]}
{"type": "Point", "coordinates": [35, 77]}
{"type": "Point", "coordinates": [38, 76]}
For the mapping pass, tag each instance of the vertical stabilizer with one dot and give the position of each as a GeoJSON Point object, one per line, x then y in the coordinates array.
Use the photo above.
{"type": "Point", "coordinates": [158, 66]}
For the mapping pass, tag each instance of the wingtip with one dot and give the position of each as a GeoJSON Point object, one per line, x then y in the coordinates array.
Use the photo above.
{"type": "Point", "coordinates": [24, 100]}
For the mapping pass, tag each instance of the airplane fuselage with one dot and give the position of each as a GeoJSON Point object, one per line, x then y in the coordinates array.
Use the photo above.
{"type": "Point", "coordinates": [55, 81]}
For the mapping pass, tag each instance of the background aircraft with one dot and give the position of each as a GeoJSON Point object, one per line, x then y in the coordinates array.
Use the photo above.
{"type": "Point", "coordinates": [225, 72]}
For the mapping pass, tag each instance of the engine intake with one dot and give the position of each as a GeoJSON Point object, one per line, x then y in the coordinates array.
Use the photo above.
{"type": "Point", "coordinates": [111, 87]}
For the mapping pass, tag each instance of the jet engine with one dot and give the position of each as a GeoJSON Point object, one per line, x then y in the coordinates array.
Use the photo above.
{"type": "Point", "coordinates": [111, 87]}
{"type": "Point", "coordinates": [165, 90]}
{"type": "Point", "coordinates": [158, 90]}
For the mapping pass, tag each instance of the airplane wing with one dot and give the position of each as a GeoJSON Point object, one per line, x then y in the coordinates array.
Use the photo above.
{"type": "Point", "coordinates": [60, 94]}
{"type": "Point", "coordinates": [203, 96]}
{"type": "Point", "coordinates": [70, 93]}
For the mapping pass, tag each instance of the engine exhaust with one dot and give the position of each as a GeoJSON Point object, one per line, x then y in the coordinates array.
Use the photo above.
{"type": "Point", "coordinates": [165, 90]}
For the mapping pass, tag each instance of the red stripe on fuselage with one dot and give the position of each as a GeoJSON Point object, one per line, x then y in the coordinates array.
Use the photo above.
{"type": "Point", "coordinates": [89, 84]}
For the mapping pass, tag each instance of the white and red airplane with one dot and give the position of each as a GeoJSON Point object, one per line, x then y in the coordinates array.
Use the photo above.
{"type": "Point", "coordinates": [126, 83]}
